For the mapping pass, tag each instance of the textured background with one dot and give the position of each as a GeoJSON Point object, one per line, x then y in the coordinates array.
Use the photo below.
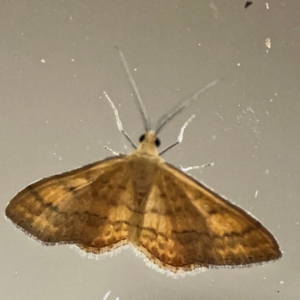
{"type": "Point", "coordinates": [57, 57]}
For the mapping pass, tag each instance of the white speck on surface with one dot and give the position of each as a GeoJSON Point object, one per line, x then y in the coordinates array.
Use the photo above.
{"type": "Point", "coordinates": [281, 282]}
{"type": "Point", "coordinates": [213, 6]}
{"type": "Point", "coordinates": [256, 193]}
{"type": "Point", "coordinates": [43, 61]}
{"type": "Point", "coordinates": [106, 295]}
{"type": "Point", "coordinates": [238, 64]}
{"type": "Point", "coordinates": [268, 42]}
{"type": "Point", "coordinates": [267, 5]}
{"type": "Point", "coordinates": [250, 109]}
{"type": "Point", "coordinates": [220, 116]}
{"type": "Point", "coordinates": [267, 171]}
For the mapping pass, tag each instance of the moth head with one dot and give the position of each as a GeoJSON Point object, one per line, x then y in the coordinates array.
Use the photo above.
{"type": "Point", "coordinates": [149, 143]}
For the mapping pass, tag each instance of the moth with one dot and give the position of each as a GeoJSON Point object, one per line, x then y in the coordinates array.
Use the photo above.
{"type": "Point", "coordinates": [139, 199]}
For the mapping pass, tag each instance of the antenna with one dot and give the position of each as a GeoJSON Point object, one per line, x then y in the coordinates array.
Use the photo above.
{"type": "Point", "coordinates": [167, 117]}
{"type": "Point", "coordinates": [137, 95]}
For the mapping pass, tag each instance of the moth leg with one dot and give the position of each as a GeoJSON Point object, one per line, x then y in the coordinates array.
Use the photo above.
{"type": "Point", "coordinates": [113, 152]}
{"type": "Point", "coordinates": [119, 123]}
{"type": "Point", "coordinates": [180, 136]}
{"type": "Point", "coordinates": [195, 167]}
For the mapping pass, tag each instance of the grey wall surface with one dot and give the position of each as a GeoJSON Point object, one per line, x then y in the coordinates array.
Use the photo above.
{"type": "Point", "coordinates": [57, 58]}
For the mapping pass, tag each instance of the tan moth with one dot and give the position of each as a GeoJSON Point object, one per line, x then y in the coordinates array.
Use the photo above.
{"type": "Point", "coordinates": [139, 199]}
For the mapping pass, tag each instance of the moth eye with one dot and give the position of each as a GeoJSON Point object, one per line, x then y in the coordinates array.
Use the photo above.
{"type": "Point", "coordinates": [157, 142]}
{"type": "Point", "coordinates": [142, 137]}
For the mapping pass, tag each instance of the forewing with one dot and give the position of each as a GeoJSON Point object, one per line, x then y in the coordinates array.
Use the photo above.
{"type": "Point", "coordinates": [186, 226]}
{"type": "Point", "coordinates": [84, 206]}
